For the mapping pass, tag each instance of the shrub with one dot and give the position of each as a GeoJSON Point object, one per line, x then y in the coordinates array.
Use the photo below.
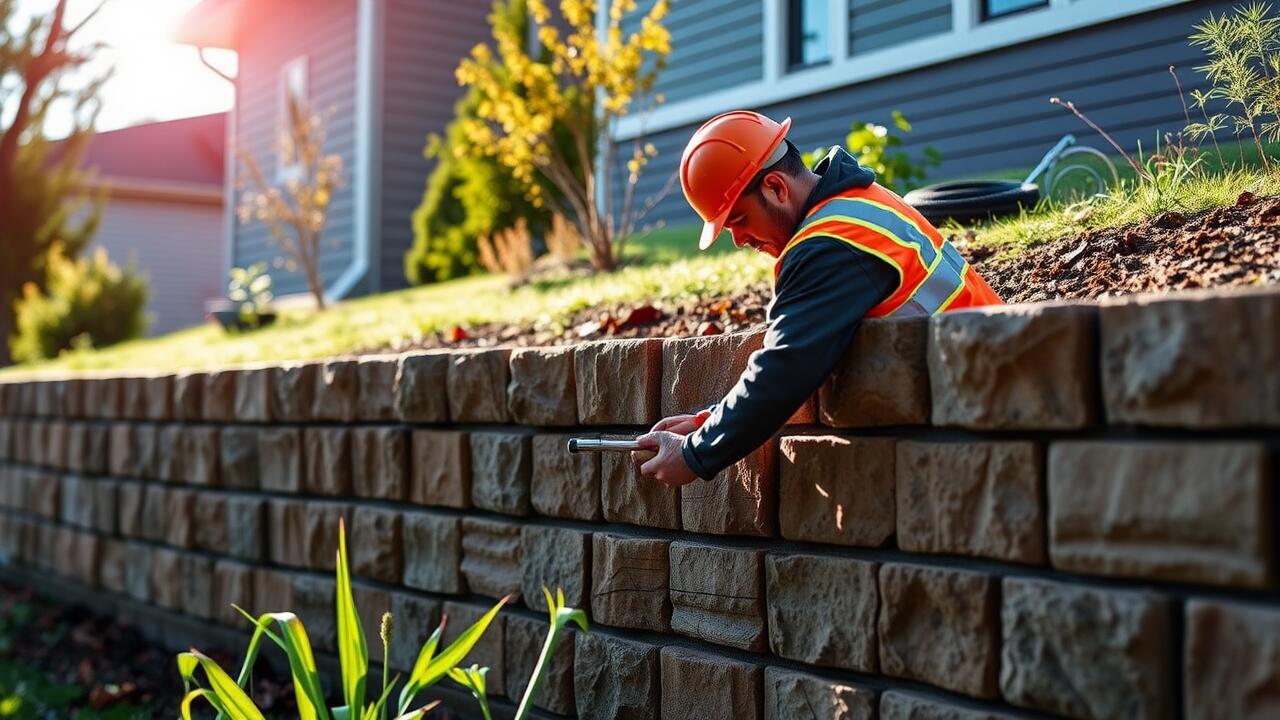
{"type": "Point", "coordinates": [87, 302]}
{"type": "Point", "coordinates": [874, 146]}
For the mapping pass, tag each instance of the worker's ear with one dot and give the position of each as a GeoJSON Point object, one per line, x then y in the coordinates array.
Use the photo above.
{"type": "Point", "coordinates": [775, 185]}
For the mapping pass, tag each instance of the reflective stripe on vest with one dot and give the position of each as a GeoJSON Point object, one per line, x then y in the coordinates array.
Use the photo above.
{"type": "Point", "coordinates": [931, 272]}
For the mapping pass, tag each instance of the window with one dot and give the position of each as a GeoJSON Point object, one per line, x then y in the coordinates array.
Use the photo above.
{"type": "Point", "coordinates": [1000, 8]}
{"type": "Point", "coordinates": [808, 33]}
{"type": "Point", "coordinates": [293, 99]}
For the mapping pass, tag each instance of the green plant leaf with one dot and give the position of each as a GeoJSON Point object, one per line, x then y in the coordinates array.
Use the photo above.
{"type": "Point", "coordinates": [200, 693]}
{"type": "Point", "coordinates": [353, 651]}
{"type": "Point", "coordinates": [187, 664]}
{"type": "Point", "coordinates": [235, 702]}
{"type": "Point", "coordinates": [425, 654]}
{"type": "Point", "coordinates": [428, 674]}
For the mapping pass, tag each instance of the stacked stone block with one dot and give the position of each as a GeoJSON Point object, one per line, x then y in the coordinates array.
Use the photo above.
{"type": "Point", "coordinates": [1055, 510]}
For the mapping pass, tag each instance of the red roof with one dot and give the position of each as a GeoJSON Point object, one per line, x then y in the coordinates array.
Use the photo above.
{"type": "Point", "coordinates": [189, 151]}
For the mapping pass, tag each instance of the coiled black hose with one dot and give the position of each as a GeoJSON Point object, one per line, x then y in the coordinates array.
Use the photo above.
{"type": "Point", "coordinates": [968, 200]}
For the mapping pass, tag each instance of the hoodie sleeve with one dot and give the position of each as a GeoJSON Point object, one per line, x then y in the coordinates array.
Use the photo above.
{"type": "Point", "coordinates": [824, 289]}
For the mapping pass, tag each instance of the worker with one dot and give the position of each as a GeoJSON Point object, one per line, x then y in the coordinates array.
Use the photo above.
{"type": "Point", "coordinates": [846, 248]}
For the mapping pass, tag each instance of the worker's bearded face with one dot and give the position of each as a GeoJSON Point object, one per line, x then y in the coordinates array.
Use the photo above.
{"type": "Point", "coordinates": [763, 218]}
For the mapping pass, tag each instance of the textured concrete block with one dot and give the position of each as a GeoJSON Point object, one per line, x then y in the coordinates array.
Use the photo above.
{"type": "Point", "coordinates": [488, 651]}
{"type": "Point", "coordinates": [375, 543]}
{"type": "Point", "coordinates": [253, 395]}
{"type": "Point", "coordinates": [155, 509]}
{"type": "Point", "coordinates": [1230, 668]}
{"type": "Point", "coordinates": [501, 464]}
{"type": "Point", "coordinates": [823, 610]}
{"type": "Point", "coordinates": [629, 581]}
{"type": "Point", "coordinates": [413, 620]}
{"type": "Point", "coordinates": [313, 603]}
{"type": "Point", "coordinates": [218, 397]}
{"type": "Point", "coordinates": [1014, 367]}
{"type": "Point", "coordinates": [615, 678]}
{"type": "Point", "coordinates": [699, 371]}
{"type": "Point", "coordinates": [200, 454]}
{"type": "Point", "coordinates": [320, 533]}
{"type": "Point", "coordinates": [698, 686]}
{"type": "Point", "coordinates": [169, 461]}
{"type": "Point", "coordinates": [433, 552]}
{"type": "Point", "coordinates": [477, 385]}
{"type": "Point", "coordinates": [133, 399]}
{"type": "Point", "coordinates": [43, 490]}
{"type": "Point", "coordinates": [883, 378]}
{"type": "Point", "coordinates": [238, 457]}
{"type": "Point", "coordinates": [123, 461]}
{"type": "Point", "coordinates": [87, 448]}
{"type": "Point", "coordinates": [377, 397]}
{"type": "Point", "coordinates": [618, 381]}
{"type": "Point", "coordinates": [336, 389]}
{"type": "Point", "coordinates": [137, 571]}
{"type": "Point", "coordinates": [101, 398]}
{"type": "Point", "coordinates": [491, 557]}
{"type": "Point", "coordinates": [326, 453]}
{"type": "Point", "coordinates": [280, 459]}
{"type": "Point", "coordinates": [113, 558]}
{"type": "Point", "coordinates": [441, 470]}
{"type": "Point", "coordinates": [188, 395]}
{"type": "Point", "coordinates": [75, 501]}
{"type": "Point", "coordinates": [180, 518]}
{"type": "Point", "coordinates": [232, 584]}
{"type": "Point", "coordinates": [286, 532]}
{"type": "Point", "coordinates": [1177, 360]}
{"type": "Point", "coordinates": [246, 527]}
{"type": "Point", "coordinates": [197, 582]}
{"type": "Point", "coordinates": [836, 490]}
{"type": "Point", "coordinates": [717, 595]}
{"type": "Point", "coordinates": [899, 705]}
{"type": "Point", "coordinates": [564, 485]}
{"type": "Point", "coordinates": [982, 499]}
{"type": "Point", "coordinates": [293, 388]}
{"type": "Point", "coordinates": [166, 578]}
{"type": "Point", "coordinates": [104, 510]}
{"type": "Point", "coordinates": [1211, 524]}
{"type": "Point", "coordinates": [741, 500]}
{"type": "Point", "coordinates": [210, 521]}
{"type": "Point", "coordinates": [789, 694]}
{"type": "Point", "coordinates": [272, 592]}
{"type": "Point", "coordinates": [157, 397]}
{"type": "Point", "coordinates": [371, 604]}
{"type": "Point", "coordinates": [129, 504]}
{"type": "Point", "coordinates": [524, 638]}
{"type": "Point", "coordinates": [421, 395]}
{"type": "Point", "coordinates": [542, 389]}
{"type": "Point", "coordinates": [1085, 652]}
{"type": "Point", "coordinates": [940, 626]}
{"type": "Point", "coordinates": [627, 497]}
{"type": "Point", "coordinates": [555, 558]}
{"type": "Point", "coordinates": [380, 459]}
{"type": "Point", "coordinates": [144, 449]}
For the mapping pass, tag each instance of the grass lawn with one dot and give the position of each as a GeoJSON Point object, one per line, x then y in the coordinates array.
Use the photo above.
{"type": "Point", "coordinates": [663, 267]}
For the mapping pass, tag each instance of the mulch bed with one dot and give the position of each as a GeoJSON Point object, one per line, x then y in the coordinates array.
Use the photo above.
{"type": "Point", "coordinates": [1230, 246]}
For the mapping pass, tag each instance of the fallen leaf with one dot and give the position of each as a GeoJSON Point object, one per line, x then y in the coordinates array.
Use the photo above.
{"type": "Point", "coordinates": [456, 334]}
{"type": "Point", "coordinates": [1246, 198]}
{"type": "Point", "coordinates": [643, 315]}
{"type": "Point", "coordinates": [708, 328]}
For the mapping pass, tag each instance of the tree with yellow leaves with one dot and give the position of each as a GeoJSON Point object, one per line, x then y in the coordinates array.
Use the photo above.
{"type": "Point", "coordinates": [295, 214]}
{"type": "Point", "coordinates": [547, 117]}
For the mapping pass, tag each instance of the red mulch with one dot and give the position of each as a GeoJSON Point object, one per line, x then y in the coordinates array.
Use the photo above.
{"type": "Point", "coordinates": [1230, 246]}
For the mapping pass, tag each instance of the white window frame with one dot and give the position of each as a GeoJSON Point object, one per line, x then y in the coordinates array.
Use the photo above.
{"type": "Point", "coordinates": [295, 76]}
{"type": "Point", "coordinates": [968, 36]}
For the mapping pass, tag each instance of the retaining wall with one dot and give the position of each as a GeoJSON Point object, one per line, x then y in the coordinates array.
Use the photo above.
{"type": "Point", "coordinates": [1055, 509]}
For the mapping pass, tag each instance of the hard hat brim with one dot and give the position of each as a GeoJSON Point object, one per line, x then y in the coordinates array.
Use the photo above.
{"type": "Point", "coordinates": [711, 230]}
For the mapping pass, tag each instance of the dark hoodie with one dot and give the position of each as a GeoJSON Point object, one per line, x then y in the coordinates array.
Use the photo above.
{"type": "Point", "coordinates": [824, 289]}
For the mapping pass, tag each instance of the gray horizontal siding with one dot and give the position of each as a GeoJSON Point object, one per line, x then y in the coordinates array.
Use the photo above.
{"type": "Point", "coordinates": [424, 40]}
{"type": "Point", "coordinates": [715, 44]}
{"type": "Point", "coordinates": [325, 32]}
{"type": "Point", "coordinates": [876, 24]}
{"type": "Point", "coordinates": [992, 111]}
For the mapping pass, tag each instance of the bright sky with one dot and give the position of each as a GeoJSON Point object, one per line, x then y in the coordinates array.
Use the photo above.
{"type": "Point", "coordinates": [155, 78]}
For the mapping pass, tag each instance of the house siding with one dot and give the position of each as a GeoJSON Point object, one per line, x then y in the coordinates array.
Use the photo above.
{"type": "Point", "coordinates": [991, 111]}
{"type": "Point", "coordinates": [714, 44]}
{"type": "Point", "coordinates": [876, 24]}
{"type": "Point", "coordinates": [424, 41]}
{"type": "Point", "coordinates": [325, 32]}
{"type": "Point", "coordinates": [178, 246]}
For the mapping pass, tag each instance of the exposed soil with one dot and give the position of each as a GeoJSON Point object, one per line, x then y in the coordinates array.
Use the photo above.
{"type": "Point", "coordinates": [1237, 245]}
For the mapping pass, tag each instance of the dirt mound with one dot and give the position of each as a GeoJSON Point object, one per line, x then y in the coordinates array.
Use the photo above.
{"type": "Point", "coordinates": [1224, 247]}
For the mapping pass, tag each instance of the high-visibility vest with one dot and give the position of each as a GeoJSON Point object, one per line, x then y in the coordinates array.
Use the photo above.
{"type": "Point", "coordinates": [932, 275]}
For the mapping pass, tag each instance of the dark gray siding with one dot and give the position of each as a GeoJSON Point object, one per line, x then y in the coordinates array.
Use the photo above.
{"type": "Point", "coordinates": [991, 111]}
{"type": "Point", "coordinates": [876, 24]}
{"type": "Point", "coordinates": [715, 44]}
{"type": "Point", "coordinates": [325, 32]}
{"type": "Point", "coordinates": [424, 40]}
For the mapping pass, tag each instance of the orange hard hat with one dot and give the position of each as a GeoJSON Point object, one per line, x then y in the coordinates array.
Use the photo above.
{"type": "Point", "coordinates": [721, 158]}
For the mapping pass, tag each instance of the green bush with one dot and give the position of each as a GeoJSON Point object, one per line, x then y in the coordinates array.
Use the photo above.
{"type": "Point", "coordinates": [875, 147]}
{"type": "Point", "coordinates": [87, 302]}
{"type": "Point", "coordinates": [467, 196]}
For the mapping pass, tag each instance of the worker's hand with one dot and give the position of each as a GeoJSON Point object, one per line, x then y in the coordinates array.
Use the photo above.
{"type": "Point", "coordinates": [668, 466]}
{"type": "Point", "coordinates": [678, 424]}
